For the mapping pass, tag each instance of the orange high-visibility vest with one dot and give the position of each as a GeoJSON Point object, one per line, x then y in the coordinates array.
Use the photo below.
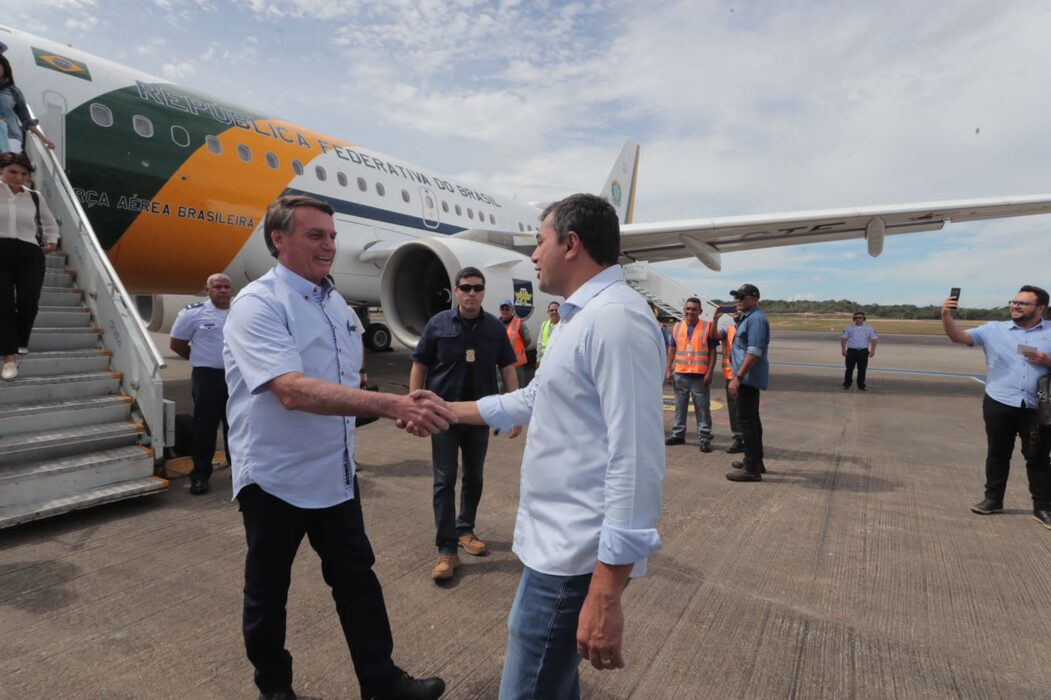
{"type": "Point", "coordinates": [514, 334]}
{"type": "Point", "coordinates": [691, 353]}
{"type": "Point", "coordinates": [728, 364]}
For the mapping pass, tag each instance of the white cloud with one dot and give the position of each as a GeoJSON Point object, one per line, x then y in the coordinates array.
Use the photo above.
{"type": "Point", "coordinates": [178, 70]}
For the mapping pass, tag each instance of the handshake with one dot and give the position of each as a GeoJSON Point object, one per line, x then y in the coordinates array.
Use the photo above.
{"type": "Point", "coordinates": [424, 413]}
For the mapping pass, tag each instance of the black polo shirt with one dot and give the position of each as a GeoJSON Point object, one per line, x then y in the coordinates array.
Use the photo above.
{"type": "Point", "coordinates": [443, 349]}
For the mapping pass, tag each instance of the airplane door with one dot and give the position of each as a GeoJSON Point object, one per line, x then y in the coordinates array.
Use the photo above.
{"type": "Point", "coordinates": [430, 207]}
{"type": "Point", "coordinates": [53, 122]}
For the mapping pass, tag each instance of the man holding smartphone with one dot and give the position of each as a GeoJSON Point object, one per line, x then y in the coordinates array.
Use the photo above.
{"type": "Point", "coordinates": [1017, 354]}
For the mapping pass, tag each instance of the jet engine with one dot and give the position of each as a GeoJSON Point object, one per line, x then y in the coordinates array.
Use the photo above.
{"type": "Point", "coordinates": [418, 278]}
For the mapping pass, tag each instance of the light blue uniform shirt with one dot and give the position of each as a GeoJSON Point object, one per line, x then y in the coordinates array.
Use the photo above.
{"type": "Point", "coordinates": [594, 456]}
{"type": "Point", "coordinates": [278, 324]}
{"type": "Point", "coordinates": [202, 324]}
{"type": "Point", "coordinates": [1010, 378]}
{"type": "Point", "coordinates": [859, 337]}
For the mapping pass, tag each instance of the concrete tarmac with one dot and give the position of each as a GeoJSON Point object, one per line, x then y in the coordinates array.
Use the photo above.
{"type": "Point", "coordinates": [854, 570]}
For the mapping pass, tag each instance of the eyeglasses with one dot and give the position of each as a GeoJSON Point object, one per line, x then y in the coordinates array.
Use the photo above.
{"type": "Point", "coordinates": [552, 311]}
{"type": "Point", "coordinates": [466, 288]}
{"type": "Point", "coordinates": [1015, 302]}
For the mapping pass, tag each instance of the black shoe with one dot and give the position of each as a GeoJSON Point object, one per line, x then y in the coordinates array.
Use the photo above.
{"type": "Point", "coordinates": [1043, 517]}
{"type": "Point", "coordinates": [736, 446]}
{"type": "Point", "coordinates": [409, 688]}
{"type": "Point", "coordinates": [987, 506]}
{"type": "Point", "coordinates": [861, 388]}
{"type": "Point", "coordinates": [740, 465]}
{"type": "Point", "coordinates": [706, 445]}
{"type": "Point", "coordinates": [283, 694]}
{"type": "Point", "coordinates": [199, 486]}
{"type": "Point", "coordinates": [744, 475]}
{"type": "Point", "coordinates": [675, 441]}
{"type": "Point", "coordinates": [846, 387]}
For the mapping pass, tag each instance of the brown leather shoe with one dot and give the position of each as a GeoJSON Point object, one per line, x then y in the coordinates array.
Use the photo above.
{"type": "Point", "coordinates": [445, 566]}
{"type": "Point", "coordinates": [474, 546]}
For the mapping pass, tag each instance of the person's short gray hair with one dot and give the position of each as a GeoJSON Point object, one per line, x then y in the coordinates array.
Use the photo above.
{"type": "Point", "coordinates": [215, 276]}
{"type": "Point", "coordinates": [279, 216]}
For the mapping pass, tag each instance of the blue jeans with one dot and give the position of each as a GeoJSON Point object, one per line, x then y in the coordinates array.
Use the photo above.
{"type": "Point", "coordinates": [687, 386]}
{"type": "Point", "coordinates": [541, 661]}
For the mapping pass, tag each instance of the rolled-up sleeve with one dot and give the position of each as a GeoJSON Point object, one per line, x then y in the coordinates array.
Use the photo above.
{"type": "Point", "coordinates": [505, 411]}
{"type": "Point", "coordinates": [259, 342]}
{"type": "Point", "coordinates": [758, 338]}
{"type": "Point", "coordinates": [626, 362]}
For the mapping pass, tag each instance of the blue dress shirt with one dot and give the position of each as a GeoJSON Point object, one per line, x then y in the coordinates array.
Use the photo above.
{"type": "Point", "coordinates": [859, 337]}
{"type": "Point", "coordinates": [594, 456]}
{"type": "Point", "coordinates": [752, 338]}
{"type": "Point", "coordinates": [1010, 378]}
{"type": "Point", "coordinates": [278, 324]}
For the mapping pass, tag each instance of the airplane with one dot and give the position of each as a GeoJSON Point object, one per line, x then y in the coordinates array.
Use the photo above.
{"type": "Point", "coordinates": [176, 184]}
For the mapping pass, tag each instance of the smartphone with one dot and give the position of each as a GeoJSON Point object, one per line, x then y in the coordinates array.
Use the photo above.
{"type": "Point", "coordinates": [954, 293]}
{"type": "Point", "coordinates": [727, 309]}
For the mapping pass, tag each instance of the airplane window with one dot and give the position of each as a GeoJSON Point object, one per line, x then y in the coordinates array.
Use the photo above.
{"type": "Point", "coordinates": [142, 126]}
{"type": "Point", "coordinates": [459, 211]}
{"type": "Point", "coordinates": [380, 189]}
{"type": "Point", "coordinates": [405, 195]}
{"type": "Point", "coordinates": [520, 226]}
{"type": "Point", "coordinates": [180, 136]}
{"type": "Point", "coordinates": [362, 185]}
{"type": "Point", "coordinates": [214, 144]}
{"type": "Point", "coordinates": [342, 179]}
{"type": "Point", "coordinates": [492, 219]}
{"type": "Point", "coordinates": [101, 115]}
{"type": "Point", "coordinates": [272, 160]}
{"type": "Point", "coordinates": [445, 206]}
{"type": "Point", "coordinates": [244, 153]}
{"type": "Point", "coordinates": [320, 172]}
{"type": "Point", "coordinates": [470, 213]}
{"type": "Point", "coordinates": [297, 167]}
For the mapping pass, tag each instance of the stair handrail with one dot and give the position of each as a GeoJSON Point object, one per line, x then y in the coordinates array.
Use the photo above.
{"type": "Point", "coordinates": [117, 290]}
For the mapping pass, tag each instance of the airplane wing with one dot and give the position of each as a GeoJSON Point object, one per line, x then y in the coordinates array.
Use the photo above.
{"type": "Point", "coordinates": [707, 239]}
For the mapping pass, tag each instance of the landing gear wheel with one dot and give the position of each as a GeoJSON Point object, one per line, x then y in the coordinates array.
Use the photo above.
{"type": "Point", "coordinates": [377, 337]}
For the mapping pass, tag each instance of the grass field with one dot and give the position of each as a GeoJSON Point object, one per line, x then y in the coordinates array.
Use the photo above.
{"type": "Point", "coordinates": [835, 323]}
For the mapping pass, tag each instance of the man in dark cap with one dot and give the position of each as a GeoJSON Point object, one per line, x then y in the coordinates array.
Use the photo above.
{"type": "Point", "coordinates": [751, 372]}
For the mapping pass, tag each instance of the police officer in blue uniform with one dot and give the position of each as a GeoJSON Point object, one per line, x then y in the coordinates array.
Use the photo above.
{"type": "Point", "coordinates": [197, 335]}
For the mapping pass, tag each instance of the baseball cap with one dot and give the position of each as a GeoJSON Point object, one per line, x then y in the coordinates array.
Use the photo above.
{"type": "Point", "coordinates": [508, 303]}
{"type": "Point", "coordinates": [745, 290]}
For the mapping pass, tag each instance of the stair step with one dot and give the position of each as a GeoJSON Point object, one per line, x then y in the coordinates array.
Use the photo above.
{"type": "Point", "coordinates": [49, 479]}
{"type": "Point", "coordinates": [58, 278]}
{"type": "Point", "coordinates": [59, 415]}
{"type": "Point", "coordinates": [61, 296]}
{"type": "Point", "coordinates": [63, 317]}
{"type": "Point", "coordinates": [59, 387]}
{"type": "Point", "coordinates": [44, 339]}
{"type": "Point", "coordinates": [56, 261]}
{"type": "Point", "coordinates": [42, 364]}
{"type": "Point", "coordinates": [52, 444]}
{"type": "Point", "coordinates": [26, 512]}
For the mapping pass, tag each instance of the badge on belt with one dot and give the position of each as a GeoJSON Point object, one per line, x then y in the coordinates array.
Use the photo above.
{"type": "Point", "coordinates": [469, 356]}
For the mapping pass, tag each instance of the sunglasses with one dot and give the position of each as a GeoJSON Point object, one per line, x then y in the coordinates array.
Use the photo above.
{"type": "Point", "coordinates": [466, 288]}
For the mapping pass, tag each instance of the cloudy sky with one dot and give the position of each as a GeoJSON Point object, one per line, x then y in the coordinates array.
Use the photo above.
{"type": "Point", "coordinates": [740, 108]}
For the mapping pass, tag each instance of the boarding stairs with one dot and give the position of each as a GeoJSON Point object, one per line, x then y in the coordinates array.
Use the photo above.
{"type": "Point", "coordinates": [662, 291]}
{"type": "Point", "coordinates": [85, 421]}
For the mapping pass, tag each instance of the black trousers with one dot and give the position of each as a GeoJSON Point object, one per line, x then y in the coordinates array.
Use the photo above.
{"type": "Point", "coordinates": [751, 426]}
{"type": "Point", "coordinates": [856, 357]}
{"type": "Point", "coordinates": [21, 279]}
{"type": "Point", "coordinates": [208, 387]}
{"type": "Point", "coordinates": [472, 442]}
{"type": "Point", "coordinates": [1002, 424]}
{"type": "Point", "coordinates": [274, 530]}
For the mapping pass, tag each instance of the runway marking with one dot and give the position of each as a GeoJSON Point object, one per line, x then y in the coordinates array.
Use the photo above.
{"type": "Point", "coordinates": [892, 370]}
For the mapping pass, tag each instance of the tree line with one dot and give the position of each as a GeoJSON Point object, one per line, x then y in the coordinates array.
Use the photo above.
{"type": "Point", "coordinates": [901, 311]}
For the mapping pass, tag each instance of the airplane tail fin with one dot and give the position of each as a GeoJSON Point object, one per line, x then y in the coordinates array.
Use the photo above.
{"type": "Point", "coordinates": [620, 185]}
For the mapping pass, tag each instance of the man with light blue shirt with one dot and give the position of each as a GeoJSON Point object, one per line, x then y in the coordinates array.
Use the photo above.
{"type": "Point", "coordinates": [293, 365]}
{"type": "Point", "coordinates": [1017, 354]}
{"type": "Point", "coordinates": [751, 374]}
{"type": "Point", "coordinates": [855, 344]}
{"type": "Point", "coordinates": [594, 458]}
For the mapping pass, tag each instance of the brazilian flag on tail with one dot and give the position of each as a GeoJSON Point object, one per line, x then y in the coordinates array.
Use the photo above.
{"type": "Point", "coordinates": [57, 62]}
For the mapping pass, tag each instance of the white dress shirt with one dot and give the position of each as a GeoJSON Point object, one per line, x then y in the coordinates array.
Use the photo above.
{"type": "Point", "coordinates": [19, 216]}
{"type": "Point", "coordinates": [278, 324]}
{"type": "Point", "coordinates": [594, 456]}
{"type": "Point", "coordinates": [202, 325]}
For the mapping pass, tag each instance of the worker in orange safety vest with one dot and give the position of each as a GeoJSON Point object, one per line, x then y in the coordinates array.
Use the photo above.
{"type": "Point", "coordinates": [518, 334]}
{"type": "Point", "coordinates": [691, 366]}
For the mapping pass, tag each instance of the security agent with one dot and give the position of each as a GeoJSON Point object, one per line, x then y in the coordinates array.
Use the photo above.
{"type": "Point", "coordinates": [858, 344]}
{"type": "Point", "coordinates": [197, 335]}
{"type": "Point", "coordinates": [1017, 354]}
{"type": "Point", "coordinates": [293, 359]}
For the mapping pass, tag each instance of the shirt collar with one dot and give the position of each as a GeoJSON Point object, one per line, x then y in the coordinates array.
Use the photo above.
{"type": "Point", "coordinates": [1043, 324]}
{"type": "Point", "coordinates": [301, 285]}
{"type": "Point", "coordinates": [589, 290]}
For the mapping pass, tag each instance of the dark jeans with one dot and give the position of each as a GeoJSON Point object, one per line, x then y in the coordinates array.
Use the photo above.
{"type": "Point", "coordinates": [856, 357]}
{"type": "Point", "coordinates": [473, 442]}
{"type": "Point", "coordinates": [274, 530]}
{"type": "Point", "coordinates": [208, 387]}
{"type": "Point", "coordinates": [1002, 424]}
{"type": "Point", "coordinates": [731, 410]}
{"type": "Point", "coordinates": [751, 426]}
{"type": "Point", "coordinates": [21, 279]}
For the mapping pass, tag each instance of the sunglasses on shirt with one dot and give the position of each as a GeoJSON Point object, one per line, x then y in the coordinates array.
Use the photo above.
{"type": "Point", "coordinates": [466, 288]}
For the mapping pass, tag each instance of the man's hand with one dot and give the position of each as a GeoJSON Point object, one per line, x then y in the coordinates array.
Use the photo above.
{"type": "Point", "coordinates": [733, 386]}
{"type": "Point", "coordinates": [708, 378]}
{"type": "Point", "coordinates": [668, 377]}
{"type": "Point", "coordinates": [48, 249]}
{"type": "Point", "coordinates": [872, 353]}
{"type": "Point", "coordinates": [844, 352]}
{"type": "Point", "coordinates": [1038, 358]}
{"type": "Point", "coordinates": [423, 413]}
{"type": "Point", "coordinates": [948, 306]}
{"type": "Point", "coordinates": [600, 627]}
{"type": "Point", "coordinates": [515, 432]}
